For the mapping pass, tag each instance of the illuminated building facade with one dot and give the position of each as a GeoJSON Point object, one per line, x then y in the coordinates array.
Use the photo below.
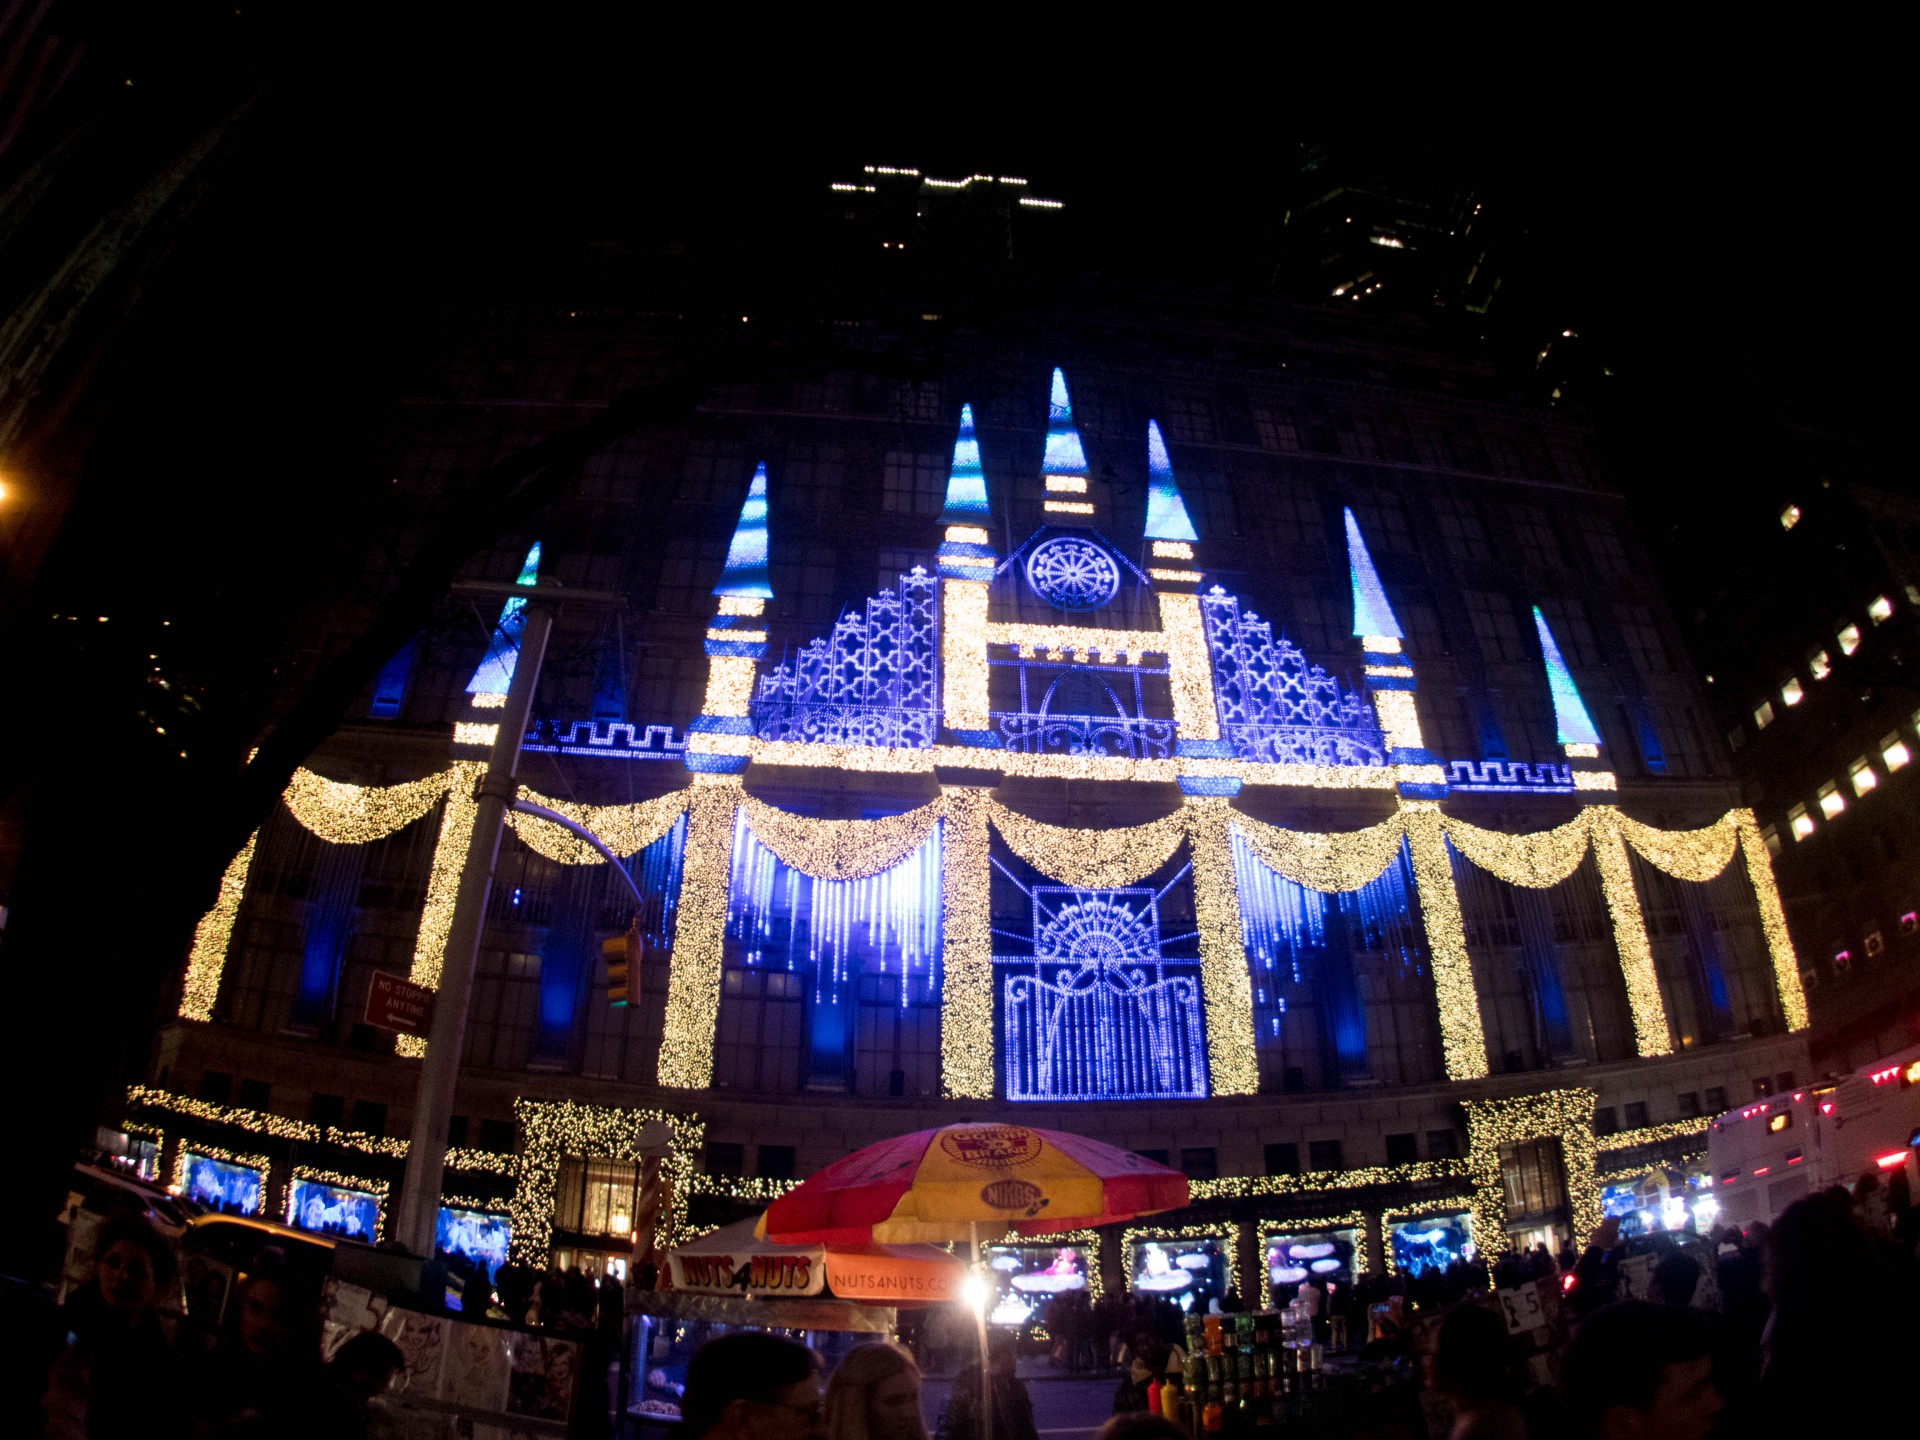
{"type": "Point", "coordinates": [1807, 622]}
{"type": "Point", "coordinates": [1281, 775]}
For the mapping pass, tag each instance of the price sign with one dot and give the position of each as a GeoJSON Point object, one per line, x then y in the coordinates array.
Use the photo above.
{"type": "Point", "coordinates": [1522, 1309]}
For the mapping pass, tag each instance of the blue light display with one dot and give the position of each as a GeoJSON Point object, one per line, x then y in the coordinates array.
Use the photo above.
{"type": "Point", "coordinates": [1064, 454]}
{"type": "Point", "coordinates": [966, 481]}
{"type": "Point", "coordinates": [1166, 511]}
{"type": "Point", "coordinates": [333, 1210]}
{"type": "Point", "coordinates": [330, 914]}
{"type": "Point", "coordinates": [1072, 573]}
{"type": "Point", "coordinates": [390, 689]}
{"type": "Point", "coordinates": [1431, 1244]}
{"type": "Point", "coordinates": [1372, 615]}
{"type": "Point", "coordinates": [606, 742]}
{"type": "Point", "coordinates": [831, 930]}
{"type": "Point", "coordinates": [873, 681]}
{"type": "Point", "coordinates": [1570, 716]}
{"type": "Point", "coordinates": [495, 675]}
{"type": "Point", "coordinates": [481, 1237]}
{"type": "Point", "coordinates": [745, 574]}
{"type": "Point", "coordinates": [222, 1185]}
{"type": "Point", "coordinates": [1547, 778]}
{"type": "Point", "coordinates": [1099, 1010]}
{"type": "Point", "coordinates": [1273, 705]}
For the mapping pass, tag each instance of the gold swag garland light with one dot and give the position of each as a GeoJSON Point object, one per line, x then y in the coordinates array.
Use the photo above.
{"type": "Point", "coordinates": [1330, 863]}
{"type": "Point", "coordinates": [1090, 859]}
{"type": "Point", "coordinates": [840, 849]}
{"type": "Point", "coordinates": [624, 829]}
{"type": "Point", "coordinates": [343, 814]}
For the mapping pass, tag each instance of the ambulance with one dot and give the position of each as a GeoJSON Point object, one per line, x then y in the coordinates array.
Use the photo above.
{"type": "Point", "coordinates": [1764, 1156]}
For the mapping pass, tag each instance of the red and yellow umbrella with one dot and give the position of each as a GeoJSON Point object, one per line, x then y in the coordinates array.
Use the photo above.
{"type": "Point", "coordinates": [936, 1185]}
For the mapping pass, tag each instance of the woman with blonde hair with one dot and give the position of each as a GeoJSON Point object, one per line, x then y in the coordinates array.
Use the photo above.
{"type": "Point", "coordinates": [875, 1395]}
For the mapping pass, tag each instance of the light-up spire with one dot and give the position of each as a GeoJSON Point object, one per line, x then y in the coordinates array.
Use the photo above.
{"type": "Point", "coordinates": [1372, 615]}
{"type": "Point", "coordinates": [1063, 470]}
{"type": "Point", "coordinates": [495, 674]}
{"type": "Point", "coordinates": [1570, 716]}
{"type": "Point", "coordinates": [966, 482]}
{"type": "Point", "coordinates": [1166, 511]}
{"type": "Point", "coordinates": [745, 574]}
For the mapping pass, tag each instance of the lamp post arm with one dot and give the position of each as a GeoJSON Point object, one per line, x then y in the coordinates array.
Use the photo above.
{"type": "Point", "coordinates": [581, 833]}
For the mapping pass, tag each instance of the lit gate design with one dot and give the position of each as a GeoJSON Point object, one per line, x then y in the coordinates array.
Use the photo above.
{"type": "Point", "coordinates": [1095, 1013]}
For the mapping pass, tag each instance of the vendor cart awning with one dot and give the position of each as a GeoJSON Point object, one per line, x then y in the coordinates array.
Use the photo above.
{"type": "Point", "coordinates": [730, 1261]}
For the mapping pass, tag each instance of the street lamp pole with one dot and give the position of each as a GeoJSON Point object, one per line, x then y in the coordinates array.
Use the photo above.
{"type": "Point", "coordinates": [419, 1206]}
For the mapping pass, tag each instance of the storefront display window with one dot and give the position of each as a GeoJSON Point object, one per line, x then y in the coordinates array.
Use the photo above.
{"type": "Point", "coordinates": [222, 1185]}
{"type": "Point", "coordinates": [1431, 1242]}
{"type": "Point", "coordinates": [1026, 1277]}
{"type": "Point", "coordinates": [480, 1237]}
{"type": "Point", "coordinates": [1188, 1272]}
{"type": "Point", "coordinates": [333, 1210]}
{"type": "Point", "coordinates": [1325, 1256]}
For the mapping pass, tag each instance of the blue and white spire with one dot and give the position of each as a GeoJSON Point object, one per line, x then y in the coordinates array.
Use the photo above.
{"type": "Point", "coordinates": [1167, 517]}
{"type": "Point", "coordinates": [1574, 726]}
{"type": "Point", "coordinates": [745, 575]}
{"type": "Point", "coordinates": [495, 674]}
{"type": "Point", "coordinates": [1063, 468]}
{"type": "Point", "coordinates": [1372, 615]}
{"type": "Point", "coordinates": [966, 552]}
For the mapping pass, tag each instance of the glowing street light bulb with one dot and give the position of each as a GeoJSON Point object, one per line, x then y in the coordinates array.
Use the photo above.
{"type": "Point", "coordinates": [973, 1292]}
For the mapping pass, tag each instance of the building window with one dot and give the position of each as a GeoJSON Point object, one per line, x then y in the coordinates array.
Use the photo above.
{"type": "Point", "coordinates": [1862, 776]}
{"type": "Point", "coordinates": [328, 1110]}
{"type": "Point", "coordinates": [1534, 1177]}
{"type": "Point", "coordinates": [1493, 625]}
{"type": "Point", "coordinates": [1283, 1159]}
{"type": "Point", "coordinates": [1784, 1080]}
{"type": "Point", "coordinates": [1799, 822]}
{"type": "Point", "coordinates": [895, 563]}
{"type": "Point", "coordinates": [1201, 1163]}
{"type": "Point", "coordinates": [253, 1094]}
{"type": "Point", "coordinates": [1771, 837]}
{"type": "Point", "coordinates": [1880, 610]}
{"type": "Point", "coordinates": [497, 1136]}
{"type": "Point", "coordinates": [1910, 922]}
{"type": "Point", "coordinates": [913, 483]}
{"type": "Point", "coordinates": [369, 1117]}
{"type": "Point", "coordinates": [1789, 517]}
{"type": "Point", "coordinates": [1158, 1157]}
{"type": "Point", "coordinates": [1324, 1155]}
{"type": "Point", "coordinates": [1689, 1103]}
{"type": "Point", "coordinates": [1636, 1115]}
{"type": "Point", "coordinates": [1461, 529]}
{"type": "Point", "coordinates": [216, 1086]}
{"type": "Point", "coordinates": [1875, 942]}
{"type": "Point", "coordinates": [1642, 634]}
{"type": "Point", "coordinates": [1893, 751]}
{"type": "Point", "coordinates": [1606, 1120]}
{"type": "Point", "coordinates": [1791, 693]}
{"type": "Point", "coordinates": [597, 1197]}
{"type": "Point", "coordinates": [1849, 637]}
{"type": "Point", "coordinates": [1832, 802]}
{"type": "Point", "coordinates": [1762, 1085]}
{"type": "Point", "coordinates": [1402, 1149]}
{"type": "Point", "coordinates": [1820, 664]}
{"type": "Point", "coordinates": [1190, 419]}
{"type": "Point", "coordinates": [1763, 715]}
{"type": "Point", "coordinates": [1443, 1145]}
{"type": "Point", "coordinates": [726, 1157]}
{"type": "Point", "coordinates": [1716, 1099]}
{"type": "Point", "coordinates": [774, 1162]}
{"type": "Point", "coordinates": [1539, 546]}
{"type": "Point", "coordinates": [1736, 737]}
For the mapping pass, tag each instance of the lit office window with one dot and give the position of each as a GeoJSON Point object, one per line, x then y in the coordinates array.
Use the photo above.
{"type": "Point", "coordinates": [1800, 822]}
{"type": "Point", "coordinates": [1772, 838]}
{"type": "Point", "coordinates": [1763, 715]}
{"type": "Point", "coordinates": [1791, 693]}
{"type": "Point", "coordinates": [1862, 776]}
{"type": "Point", "coordinates": [1881, 610]}
{"type": "Point", "coordinates": [1832, 802]}
{"type": "Point", "coordinates": [1893, 751]}
{"type": "Point", "coordinates": [1820, 665]}
{"type": "Point", "coordinates": [1849, 638]}
{"type": "Point", "coordinates": [1789, 517]}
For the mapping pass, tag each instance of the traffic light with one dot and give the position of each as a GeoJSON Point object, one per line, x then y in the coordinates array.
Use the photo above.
{"type": "Point", "coordinates": [622, 953]}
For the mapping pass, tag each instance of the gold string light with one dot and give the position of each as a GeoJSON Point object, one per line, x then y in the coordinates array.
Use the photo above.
{"type": "Point", "coordinates": [343, 814]}
{"type": "Point", "coordinates": [745, 1189]}
{"type": "Point", "coordinates": [1226, 986]}
{"type": "Point", "coordinates": [1189, 661]}
{"type": "Point", "coordinates": [840, 849]}
{"type": "Point", "coordinates": [1090, 859]}
{"type": "Point", "coordinates": [1331, 863]}
{"type": "Point", "coordinates": [966, 908]}
{"type": "Point", "coordinates": [1563, 1115]}
{"type": "Point", "coordinates": [729, 684]}
{"type": "Point", "coordinates": [1399, 718]}
{"type": "Point", "coordinates": [552, 1130]}
{"type": "Point", "coordinates": [211, 937]}
{"type": "Point", "coordinates": [1533, 861]}
{"type": "Point", "coordinates": [1773, 921]}
{"type": "Point", "coordinates": [693, 976]}
{"type": "Point", "coordinates": [262, 1163]}
{"type": "Point", "coordinates": [443, 885]}
{"type": "Point", "coordinates": [1463, 1040]}
{"type": "Point", "coordinates": [1649, 1011]}
{"type": "Point", "coordinates": [264, 1122]}
{"type": "Point", "coordinates": [1695, 855]}
{"type": "Point", "coordinates": [1315, 1182]}
{"type": "Point", "coordinates": [624, 829]}
{"type": "Point", "coordinates": [963, 653]}
{"type": "Point", "coordinates": [1652, 1135]}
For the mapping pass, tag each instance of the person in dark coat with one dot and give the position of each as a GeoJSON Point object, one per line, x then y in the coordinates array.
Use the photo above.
{"type": "Point", "coordinates": [116, 1375]}
{"type": "Point", "coordinates": [1012, 1406]}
